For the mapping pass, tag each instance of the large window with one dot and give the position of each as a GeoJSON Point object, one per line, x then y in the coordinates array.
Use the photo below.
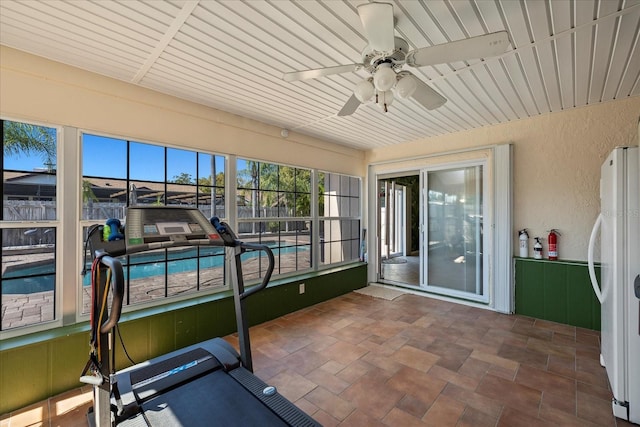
{"type": "Point", "coordinates": [28, 224]}
{"type": "Point", "coordinates": [274, 208]}
{"type": "Point", "coordinates": [310, 219]}
{"type": "Point", "coordinates": [339, 211]}
{"type": "Point", "coordinates": [117, 173]}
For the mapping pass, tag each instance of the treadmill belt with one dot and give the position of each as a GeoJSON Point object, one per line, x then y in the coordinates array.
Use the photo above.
{"type": "Point", "coordinates": [149, 372]}
{"type": "Point", "coordinates": [215, 399]}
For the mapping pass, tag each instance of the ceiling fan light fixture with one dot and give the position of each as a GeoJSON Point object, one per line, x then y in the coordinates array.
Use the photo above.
{"type": "Point", "coordinates": [385, 77]}
{"type": "Point", "coordinates": [406, 86]}
{"type": "Point", "coordinates": [364, 90]}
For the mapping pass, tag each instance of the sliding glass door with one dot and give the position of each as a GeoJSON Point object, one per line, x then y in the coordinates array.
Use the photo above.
{"type": "Point", "coordinates": [453, 207]}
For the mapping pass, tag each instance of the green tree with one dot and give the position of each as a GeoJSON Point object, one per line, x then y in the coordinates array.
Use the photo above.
{"type": "Point", "coordinates": [23, 138]}
{"type": "Point", "coordinates": [282, 186]}
{"type": "Point", "coordinates": [206, 181]}
{"type": "Point", "coordinates": [88, 195]}
{"type": "Point", "coordinates": [183, 178]}
{"type": "Point", "coordinates": [248, 178]}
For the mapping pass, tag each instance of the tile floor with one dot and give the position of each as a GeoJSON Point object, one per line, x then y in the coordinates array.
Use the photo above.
{"type": "Point", "coordinates": [357, 360]}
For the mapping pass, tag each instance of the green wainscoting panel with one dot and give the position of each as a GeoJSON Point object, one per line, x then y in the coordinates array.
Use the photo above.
{"type": "Point", "coordinates": [25, 376]}
{"type": "Point", "coordinates": [185, 328]}
{"type": "Point", "coordinates": [583, 306]}
{"type": "Point", "coordinates": [216, 318]}
{"type": "Point", "coordinates": [529, 289]}
{"type": "Point", "coordinates": [554, 283]}
{"type": "Point", "coordinates": [68, 361]}
{"type": "Point", "coordinates": [135, 335]}
{"type": "Point", "coordinates": [559, 291]}
{"type": "Point", "coordinates": [161, 334]}
{"type": "Point", "coordinates": [41, 365]}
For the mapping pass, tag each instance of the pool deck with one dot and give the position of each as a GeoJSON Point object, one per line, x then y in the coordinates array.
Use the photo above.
{"type": "Point", "coordinates": [20, 310]}
{"type": "Point", "coordinates": [26, 309]}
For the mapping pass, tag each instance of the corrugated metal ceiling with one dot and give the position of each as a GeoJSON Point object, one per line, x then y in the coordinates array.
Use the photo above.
{"type": "Point", "coordinates": [231, 55]}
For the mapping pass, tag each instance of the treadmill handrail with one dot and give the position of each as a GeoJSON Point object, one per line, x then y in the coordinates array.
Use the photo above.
{"type": "Point", "coordinates": [267, 275]}
{"type": "Point", "coordinates": [118, 292]}
{"type": "Point", "coordinates": [118, 274]}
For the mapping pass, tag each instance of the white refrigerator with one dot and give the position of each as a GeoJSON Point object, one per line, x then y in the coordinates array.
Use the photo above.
{"type": "Point", "coordinates": [619, 287]}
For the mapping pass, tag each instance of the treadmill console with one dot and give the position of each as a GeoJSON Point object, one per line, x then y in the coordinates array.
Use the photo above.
{"type": "Point", "coordinates": [150, 224]}
{"type": "Point", "coordinates": [155, 227]}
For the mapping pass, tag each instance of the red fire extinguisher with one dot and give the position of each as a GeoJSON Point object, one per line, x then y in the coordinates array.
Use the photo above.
{"type": "Point", "coordinates": [553, 244]}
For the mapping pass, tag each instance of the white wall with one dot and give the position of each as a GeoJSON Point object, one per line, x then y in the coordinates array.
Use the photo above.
{"type": "Point", "coordinates": [556, 165]}
{"type": "Point", "coordinates": [36, 89]}
{"type": "Point", "coordinates": [557, 156]}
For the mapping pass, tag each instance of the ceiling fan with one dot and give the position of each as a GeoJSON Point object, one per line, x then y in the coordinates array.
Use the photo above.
{"type": "Point", "coordinates": [386, 55]}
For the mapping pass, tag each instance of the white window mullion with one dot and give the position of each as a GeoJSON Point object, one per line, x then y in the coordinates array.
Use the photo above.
{"type": "Point", "coordinates": [315, 221]}
{"type": "Point", "coordinates": [231, 191]}
{"type": "Point", "coordinates": [502, 266]}
{"type": "Point", "coordinates": [68, 253]}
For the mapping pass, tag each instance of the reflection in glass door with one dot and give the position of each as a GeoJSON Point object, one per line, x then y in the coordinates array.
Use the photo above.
{"type": "Point", "coordinates": [398, 230]}
{"type": "Point", "coordinates": [454, 263]}
{"type": "Point", "coordinates": [392, 219]}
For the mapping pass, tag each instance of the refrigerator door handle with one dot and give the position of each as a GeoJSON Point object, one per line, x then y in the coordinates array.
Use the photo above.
{"type": "Point", "coordinates": [592, 270]}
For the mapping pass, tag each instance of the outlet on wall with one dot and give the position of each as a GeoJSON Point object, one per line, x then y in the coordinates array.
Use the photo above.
{"type": "Point", "coordinates": [301, 288]}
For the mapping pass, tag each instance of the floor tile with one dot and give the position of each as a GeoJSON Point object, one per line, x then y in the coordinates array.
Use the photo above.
{"type": "Point", "coordinates": [472, 417]}
{"type": "Point", "coordinates": [292, 385]}
{"type": "Point", "coordinates": [333, 405]}
{"type": "Point", "coordinates": [356, 360]}
{"type": "Point", "coordinates": [373, 395]}
{"type": "Point", "coordinates": [33, 415]}
{"type": "Point", "coordinates": [482, 403]}
{"type": "Point", "coordinates": [559, 417]}
{"type": "Point", "coordinates": [417, 383]}
{"type": "Point", "coordinates": [453, 377]}
{"type": "Point", "coordinates": [544, 381]}
{"type": "Point", "coordinates": [413, 406]}
{"type": "Point", "coordinates": [355, 370]}
{"type": "Point", "coordinates": [445, 411]}
{"type": "Point", "coordinates": [359, 418]}
{"type": "Point", "coordinates": [523, 398]}
{"type": "Point", "coordinates": [327, 380]}
{"type": "Point", "coordinates": [594, 409]}
{"type": "Point", "coordinates": [511, 417]}
{"type": "Point", "coordinates": [415, 358]}
{"type": "Point", "coordinates": [524, 356]}
{"type": "Point", "coordinates": [397, 417]}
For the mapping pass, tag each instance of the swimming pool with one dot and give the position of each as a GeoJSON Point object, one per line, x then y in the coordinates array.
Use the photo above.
{"type": "Point", "coordinates": [40, 277]}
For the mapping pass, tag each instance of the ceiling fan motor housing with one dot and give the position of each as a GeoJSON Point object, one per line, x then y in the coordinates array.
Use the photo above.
{"type": "Point", "coordinates": [397, 57]}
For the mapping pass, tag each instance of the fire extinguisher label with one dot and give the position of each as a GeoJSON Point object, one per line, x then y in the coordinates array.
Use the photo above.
{"type": "Point", "coordinates": [553, 251]}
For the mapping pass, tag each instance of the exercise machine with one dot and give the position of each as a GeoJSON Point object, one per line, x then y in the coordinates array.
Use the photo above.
{"type": "Point", "coordinates": [204, 384]}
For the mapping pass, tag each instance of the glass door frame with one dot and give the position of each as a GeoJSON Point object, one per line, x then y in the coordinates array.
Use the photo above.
{"type": "Point", "coordinates": [486, 230]}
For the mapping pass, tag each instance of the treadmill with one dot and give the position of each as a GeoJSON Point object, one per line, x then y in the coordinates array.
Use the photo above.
{"type": "Point", "coordinates": [204, 384]}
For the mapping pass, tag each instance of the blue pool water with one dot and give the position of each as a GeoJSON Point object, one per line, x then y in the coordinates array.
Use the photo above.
{"type": "Point", "coordinates": [40, 277]}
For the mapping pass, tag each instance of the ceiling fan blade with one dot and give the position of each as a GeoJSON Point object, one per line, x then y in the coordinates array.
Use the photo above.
{"type": "Point", "coordinates": [377, 21]}
{"type": "Point", "coordinates": [350, 107]}
{"type": "Point", "coordinates": [319, 72]}
{"type": "Point", "coordinates": [427, 96]}
{"type": "Point", "coordinates": [475, 47]}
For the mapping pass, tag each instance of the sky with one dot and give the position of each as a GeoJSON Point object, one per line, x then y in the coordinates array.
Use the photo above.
{"type": "Point", "coordinates": [106, 157]}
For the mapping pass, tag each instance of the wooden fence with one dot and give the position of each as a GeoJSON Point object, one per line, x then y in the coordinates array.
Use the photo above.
{"type": "Point", "coordinates": [24, 210]}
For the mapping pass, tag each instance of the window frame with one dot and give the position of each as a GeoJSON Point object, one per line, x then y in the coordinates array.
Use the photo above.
{"type": "Point", "coordinates": [69, 224]}
{"type": "Point", "coordinates": [83, 224]}
{"type": "Point", "coordinates": [321, 217]}
{"type": "Point", "coordinates": [279, 219]}
{"type": "Point", "coordinates": [57, 225]}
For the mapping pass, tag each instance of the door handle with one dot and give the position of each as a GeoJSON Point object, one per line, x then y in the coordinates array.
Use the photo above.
{"type": "Point", "coordinates": [590, 263]}
{"type": "Point", "coordinates": [636, 286]}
